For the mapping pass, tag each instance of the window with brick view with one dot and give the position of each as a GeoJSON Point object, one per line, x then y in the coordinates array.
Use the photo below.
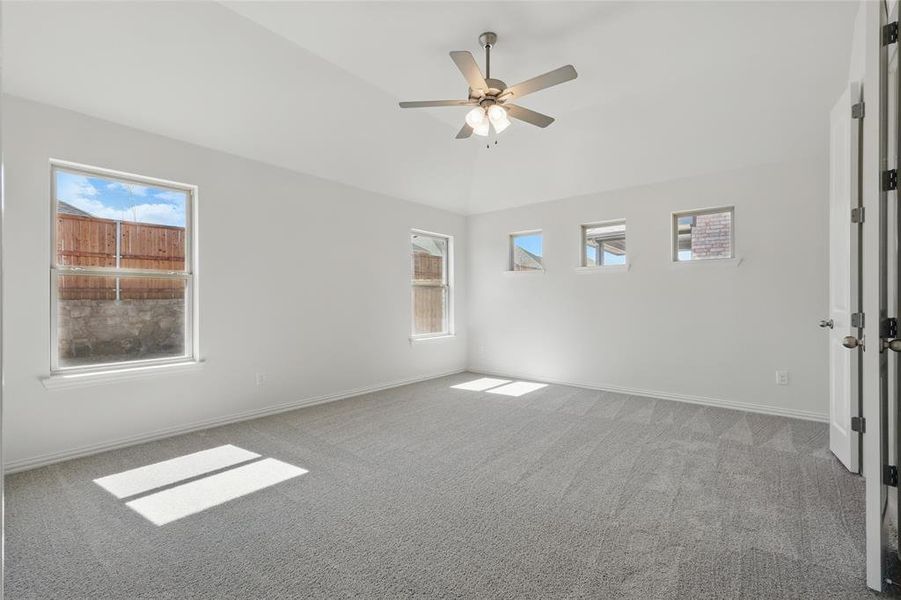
{"type": "Point", "coordinates": [703, 235]}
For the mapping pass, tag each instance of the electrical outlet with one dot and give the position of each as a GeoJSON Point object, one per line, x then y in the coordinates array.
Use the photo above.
{"type": "Point", "coordinates": [781, 377]}
{"type": "Point", "coordinates": [261, 378]}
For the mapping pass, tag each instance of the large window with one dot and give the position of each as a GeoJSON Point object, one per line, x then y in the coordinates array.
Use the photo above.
{"type": "Point", "coordinates": [526, 251]}
{"type": "Point", "coordinates": [121, 273]}
{"type": "Point", "coordinates": [431, 278]}
{"type": "Point", "coordinates": [703, 234]}
{"type": "Point", "coordinates": [604, 244]}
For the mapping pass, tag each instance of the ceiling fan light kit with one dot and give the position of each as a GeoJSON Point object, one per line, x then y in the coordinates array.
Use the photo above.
{"type": "Point", "coordinates": [475, 117]}
{"type": "Point", "coordinates": [491, 98]}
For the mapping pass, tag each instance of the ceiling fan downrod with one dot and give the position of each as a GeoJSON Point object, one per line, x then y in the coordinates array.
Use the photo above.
{"type": "Point", "coordinates": [488, 40]}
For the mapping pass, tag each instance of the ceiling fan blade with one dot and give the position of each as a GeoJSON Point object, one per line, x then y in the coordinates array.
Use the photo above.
{"type": "Point", "coordinates": [527, 115]}
{"type": "Point", "coordinates": [465, 132]}
{"type": "Point", "coordinates": [551, 78]}
{"type": "Point", "coordinates": [467, 65]}
{"type": "Point", "coordinates": [428, 103]}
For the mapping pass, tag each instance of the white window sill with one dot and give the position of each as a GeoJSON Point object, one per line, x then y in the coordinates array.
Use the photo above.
{"type": "Point", "coordinates": [65, 380]}
{"type": "Point", "coordinates": [432, 338]}
{"type": "Point", "coordinates": [712, 262]}
{"type": "Point", "coordinates": [604, 269]}
{"type": "Point", "coordinates": [518, 273]}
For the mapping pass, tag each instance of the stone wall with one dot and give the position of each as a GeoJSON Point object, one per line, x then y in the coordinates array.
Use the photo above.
{"type": "Point", "coordinates": [711, 236]}
{"type": "Point", "coordinates": [94, 331]}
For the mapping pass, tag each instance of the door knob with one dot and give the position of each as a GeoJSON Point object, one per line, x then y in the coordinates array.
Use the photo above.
{"type": "Point", "coordinates": [827, 323]}
{"type": "Point", "coordinates": [893, 345]}
{"type": "Point", "coordinates": [850, 341]}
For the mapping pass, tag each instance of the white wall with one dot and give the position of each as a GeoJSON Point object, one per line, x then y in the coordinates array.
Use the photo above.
{"type": "Point", "coordinates": [299, 309]}
{"type": "Point", "coordinates": [320, 303]}
{"type": "Point", "coordinates": [714, 331]}
{"type": "Point", "coordinates": [857, 67]}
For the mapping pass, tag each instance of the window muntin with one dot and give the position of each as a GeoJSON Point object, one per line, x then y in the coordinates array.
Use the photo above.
{"type": "Point", "coordinates": [604, 244]}
{"type": "Point", "coordinates": [703, 235]}
{"type": "Point", "coordinates": [430, 278]}
{"type": "Point", "coordinates": [527, 251]}
{"type": "Point", "coordinates": [122, 279]}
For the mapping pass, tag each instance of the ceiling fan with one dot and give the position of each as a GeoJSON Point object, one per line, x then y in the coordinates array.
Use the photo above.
{"type": "Point", "coordinates": [491, 98]}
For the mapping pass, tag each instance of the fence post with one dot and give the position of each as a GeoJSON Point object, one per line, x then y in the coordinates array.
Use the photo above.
{"type": "Point", "coordinates": [118, 255]}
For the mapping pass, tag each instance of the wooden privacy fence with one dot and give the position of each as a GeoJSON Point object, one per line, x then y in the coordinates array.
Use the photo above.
{"type": "Point", "coordinates": [427, 267]}
{"type": "Point", "coordinates": [428, 308]}
{"type": "Point", "coordinates": [428, 293]}
{"type": "Point", "coordinates": [90, 242]}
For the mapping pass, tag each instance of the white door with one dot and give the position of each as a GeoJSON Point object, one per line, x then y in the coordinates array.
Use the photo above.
{"type": "Point", "coordinates": [844, 141]}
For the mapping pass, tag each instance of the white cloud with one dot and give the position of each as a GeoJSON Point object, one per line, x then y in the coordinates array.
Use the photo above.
{"type": "Point", "coordinates": [74, 187]}
{"type": "Point", "coordinates": [78, 191]}
{"type": "Point", "coordinates": [170, 196]}
{"type": "Point", "coordinates": [162, 214]}
{"type": "Point", "coordinates": [132, 188]}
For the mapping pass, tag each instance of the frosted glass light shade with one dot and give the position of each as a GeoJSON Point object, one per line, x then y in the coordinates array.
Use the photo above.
{"type": "Point", "coordinates": [500, 124]}
{"type": "Point", "coordinates": [475, 117]}
{"type": "Point", "coordinates": [496, 113]}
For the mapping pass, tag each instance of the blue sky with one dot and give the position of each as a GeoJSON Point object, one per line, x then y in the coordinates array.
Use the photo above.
{"type": "Point", "coordinates": [530, 243]}
{"type": "Point", "coordinates": [111, 199]}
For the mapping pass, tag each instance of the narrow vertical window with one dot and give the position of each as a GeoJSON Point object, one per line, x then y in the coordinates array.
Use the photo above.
{"type": "Point", "coordinates": [122, 274]}
{"type": "Point", "coordinates": [431, 279]}
{"type": "Point", "coordinates": [527, 251]}
{"type": "Point", "coordinates": [703, 234]}
{"type": "Point", "coordinates": [604, 244]}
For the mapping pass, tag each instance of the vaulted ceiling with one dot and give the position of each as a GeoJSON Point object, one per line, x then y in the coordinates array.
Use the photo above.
{"type": "Point", "coordinates": [665, 90]}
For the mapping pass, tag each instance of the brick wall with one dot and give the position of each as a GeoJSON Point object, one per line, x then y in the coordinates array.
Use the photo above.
{"type": "Point", "coordinates": [711, 236]}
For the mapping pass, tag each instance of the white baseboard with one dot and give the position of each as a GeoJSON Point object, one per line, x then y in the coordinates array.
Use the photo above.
{"type": "Point", "coordinates": [689, 398]}
{"type": "Point", "coordinates": [55, 457]}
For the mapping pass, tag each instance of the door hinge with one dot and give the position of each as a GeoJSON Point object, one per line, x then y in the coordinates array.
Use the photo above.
{"type": "Point", "coordinates": [890, 33]}
{"type": "Point", "coordinates": [890, 475]}
{"type": "Point", "coordinates": [857, 320]}
{"type": "Point", "coordinates": [888, 328]}
{"type": "Point", "coordinates": [858, 215]}
{"type": "Point", "coordinates": [858, 424]}
{"type": "Point", "coordinates": [889, 180]}
{"type": "Point", "coordinates": [858, 110]}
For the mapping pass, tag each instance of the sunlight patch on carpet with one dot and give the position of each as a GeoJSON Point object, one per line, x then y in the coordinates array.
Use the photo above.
{"type": "Point", "coordinates": [517, 388]}
{"type": "Point", "coordinates": [149, 477]}
{"type": "Point", "coordinates": [480, 385]}
{"type": "Point", "coordinates": [196, 496]}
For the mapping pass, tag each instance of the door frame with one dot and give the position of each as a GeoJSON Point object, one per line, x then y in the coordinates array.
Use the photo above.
{"type": "Point", "coordinates": [874, 266]}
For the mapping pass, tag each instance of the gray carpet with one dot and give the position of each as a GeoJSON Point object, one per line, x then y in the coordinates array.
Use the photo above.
{"type": "Point", "coordinates": [430, 492]}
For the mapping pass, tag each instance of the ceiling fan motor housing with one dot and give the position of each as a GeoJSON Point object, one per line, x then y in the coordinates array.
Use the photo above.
{"type": "Point", "coordinates": [487, 97]}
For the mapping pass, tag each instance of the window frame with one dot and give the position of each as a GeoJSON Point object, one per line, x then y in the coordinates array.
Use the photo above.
{"type": "Point", "coordinates": [583, 251]}
{"type": "Point", "coordinates": [674, 232]}
{"type": "Point", "coordinates": [448, 287]}
{"type": "Point", "coordinates": [511, 244]}
{"type": "Point", "coordinates": [189, 274]}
